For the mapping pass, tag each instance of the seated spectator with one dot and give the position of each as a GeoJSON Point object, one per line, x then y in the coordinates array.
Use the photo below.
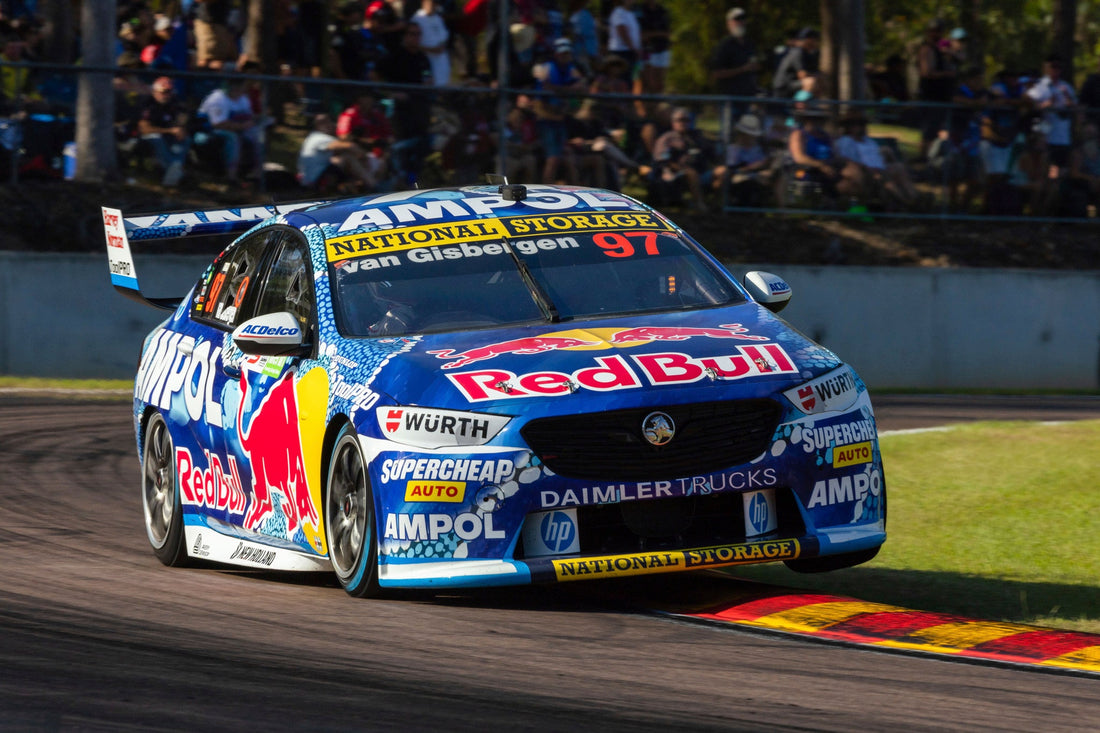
{"type": "Point", "coordinates": [955, 159]}
{"type": "Point", "coordinates": [812, 153]}
{"type": "Point", "coordinates": [231, 120]}
{"type": "Point", "coordinates": [749, 164]}
{"type": "Point", "coordinates": [880, 172]}
{"type": "Point", "coordinates": [163, 125]}
{"type": "Point", "coordinates": [521, 139]}
{"type": "Point", "coordinates": [1001, 142]}
{"type": "Point", "coordinates": [325, 158]}
{"type": "Point", "coordinates": [366, 124]}
{"type": "Point", "coordinates": [1083, 181]}
{"type": "Point", "coordinates": [595, 150]}
{"type": "Point", "coordinates": [1031, 173]}
{"type": "Point", "coordinates": [684, 158]}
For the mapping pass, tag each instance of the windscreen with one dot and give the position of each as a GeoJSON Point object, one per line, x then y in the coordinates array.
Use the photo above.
{"type": "Point", "coordinates": [585, 274]}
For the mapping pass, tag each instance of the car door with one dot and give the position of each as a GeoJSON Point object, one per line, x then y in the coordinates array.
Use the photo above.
{"type": "Point", "coordinates": [278, 424]}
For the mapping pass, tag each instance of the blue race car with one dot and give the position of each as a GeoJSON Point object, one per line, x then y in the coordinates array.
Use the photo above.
{"type": "Point", "coordinates": [489, 385]}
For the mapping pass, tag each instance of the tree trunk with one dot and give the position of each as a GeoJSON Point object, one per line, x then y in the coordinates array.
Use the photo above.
{"type": "Point", "coordinates": [851, 77]}
{"type": "Point", "coordinates": [827, 85]}
{"type": "Point", "coordinates": [95, 102]}
{"type": "Point", "coordinates": [58, 31]}
{"type": "Point", "coordinates": [1065, 27]}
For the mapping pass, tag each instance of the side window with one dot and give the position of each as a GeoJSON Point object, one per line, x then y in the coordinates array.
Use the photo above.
{"type": "Point", "coordinates": [289, 283]}
{"type": "Point", "coordinates": [231, 280]}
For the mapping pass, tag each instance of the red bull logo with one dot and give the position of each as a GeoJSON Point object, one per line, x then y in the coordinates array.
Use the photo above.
{"type": "Point", "coordinates": [274, 450]}
{"type": "Point", "coordinates": [527, 345]}
{"type": "Point", "coordinates": [682, 333]}
{"type": "Point", "coordinates": [598, 338]}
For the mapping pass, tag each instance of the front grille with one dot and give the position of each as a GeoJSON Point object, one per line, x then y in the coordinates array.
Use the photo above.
{"type": "Point", "coordinates": [674, 524]}
{"type": "Point", "coordinates": [609, 446]}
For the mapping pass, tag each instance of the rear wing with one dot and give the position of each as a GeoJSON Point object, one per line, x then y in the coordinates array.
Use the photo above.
{"type": "Point", "coordinates": [121, 230]}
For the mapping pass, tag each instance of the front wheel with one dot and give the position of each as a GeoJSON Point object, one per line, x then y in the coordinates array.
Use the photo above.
{"type": "Point", "coordinates": [160, 494]}
{"type": "Point", "coordinates": [349, 517]}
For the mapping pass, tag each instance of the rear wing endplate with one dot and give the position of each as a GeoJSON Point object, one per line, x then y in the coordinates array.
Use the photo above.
{"type": "Point", "coordinates": [121, 230]}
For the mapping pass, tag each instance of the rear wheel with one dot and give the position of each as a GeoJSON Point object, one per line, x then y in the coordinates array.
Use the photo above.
{"type": "Point", "coordinates": [349, 517]}
{"type": "Point", "coordinates": [160, 494]}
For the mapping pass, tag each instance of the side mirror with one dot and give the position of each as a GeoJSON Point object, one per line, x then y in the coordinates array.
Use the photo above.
{"type": "Point", "coordinates": [770, 291]}
{"type": "Point", "coordinates": [274, 334]}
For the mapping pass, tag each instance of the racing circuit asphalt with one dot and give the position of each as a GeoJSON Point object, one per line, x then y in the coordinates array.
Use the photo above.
{"type": "Point", "coordinates": [95, 634]}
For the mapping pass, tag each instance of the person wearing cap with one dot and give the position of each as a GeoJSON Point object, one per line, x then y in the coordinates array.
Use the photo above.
{"type": "Point", "coordinates": [433, 41]}
{"type": "Point", "coordinates": [734, 64]}
{"type": "Point", "coordinates": [163, 126]}
{"type": "Point", "coordinates": [684, 158]}
{"type": "Point", "coordinates": [557, 76]}
{"type": "Point", "coordinates": [749, 163]}
{"type": "Point", "coordinates": [957, 47]}
{"type": "Point", "coordinates": [734, 67]}
{"type": "Point", "coordinates": [937, 83]}
{"type": "Point", "coordinates": [802, 60]}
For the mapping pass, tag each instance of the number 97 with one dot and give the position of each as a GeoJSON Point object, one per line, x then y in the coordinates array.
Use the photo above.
{"type": "Point", "coordinates": [619, 245]}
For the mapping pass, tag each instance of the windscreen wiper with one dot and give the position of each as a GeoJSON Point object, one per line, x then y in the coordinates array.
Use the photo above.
{"type": "Point", "coordinates": [538, 293]}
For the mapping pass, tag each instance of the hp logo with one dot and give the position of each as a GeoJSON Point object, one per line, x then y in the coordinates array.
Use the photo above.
{"type": "Point", "coordinates": [758, 514]}
{"type": "Point", "coordinates": [558, 531]}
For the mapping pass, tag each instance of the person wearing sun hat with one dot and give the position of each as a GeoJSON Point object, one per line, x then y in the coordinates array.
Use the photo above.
{"type": "Point", "coordinates": [749, 163]}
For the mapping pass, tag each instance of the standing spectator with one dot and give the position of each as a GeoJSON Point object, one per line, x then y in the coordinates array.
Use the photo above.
{"type": "Point", "coordinates": [801, 61]}
{"type": "Point", "coordinates": [1055, 98]}
{"type": "Point", "coordinates": [232, 122]}
{"type": "Point", "coordinates": [472, 23]}
{"type": "Point", "coordinates": [1001, 141]}
{"type": "Point", "coordinates": [412, 110]}
{"type": "Point", "coordinates": [937, 83]}
{"type": "Point", "coordinates": [433, 41]}
{"type": "Point", "coordinates": [215, 46]}
{"type": "Point", "coordinates": [957, 48]}
{"type": "Point", "coordinates": [1083, 181]}
{"type": "Point", "coordinates": [734, 67]}
{"type": "Point", "coordinates": [890, 85]}
{"type": "Point", "coordinates": [1090, 97]}
{"type": "Point", "coordinates": [323, 155]}
{"type": "Point", "coordinates": [656, 45]}
{"type": "Point", "coordinates": [163, 125]}
{"type": "Point", "coordinates": [683, 157]}
{"type": "Point", "coordinates": [624, 34]}
{"type": "Point", "coordinates": [388, 23]}
{"type": "Point", "coordinates": [586, 41]}
{"type": "Point", "coordinates": [556, 76]}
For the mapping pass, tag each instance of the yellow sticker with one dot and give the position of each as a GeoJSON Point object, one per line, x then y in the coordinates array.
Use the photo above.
{"type": "Point", "coordinates": [850, 455]}
{"type": "Point", "coordinates": [449, 492]}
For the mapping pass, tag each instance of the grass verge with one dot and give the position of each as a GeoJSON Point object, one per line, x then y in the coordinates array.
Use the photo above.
{"type": "Point", "coordinates": [996, 521]}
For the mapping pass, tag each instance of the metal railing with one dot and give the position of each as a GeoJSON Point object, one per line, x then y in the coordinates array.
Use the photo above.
{"type": "Point", "coordinates": [294, 99]}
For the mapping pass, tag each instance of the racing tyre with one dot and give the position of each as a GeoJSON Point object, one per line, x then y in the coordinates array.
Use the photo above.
{"type": "Point", "coordinates": [160, 494]}
{"type": "Point", "coordinates": [349, 518]}
{"type": "Point", "coordinates": [831, 562]}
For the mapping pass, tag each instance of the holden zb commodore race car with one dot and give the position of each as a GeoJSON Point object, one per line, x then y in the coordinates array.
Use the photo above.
{"type": "Point", "coordinates": [488, 385]}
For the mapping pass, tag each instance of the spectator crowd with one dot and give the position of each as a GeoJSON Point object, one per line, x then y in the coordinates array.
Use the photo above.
{"type": "Point", "coordinates": [589, 107]}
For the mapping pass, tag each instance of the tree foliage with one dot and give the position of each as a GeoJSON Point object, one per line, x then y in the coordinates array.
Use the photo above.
{"type": "Point", "coordinates": [1012, 34]}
